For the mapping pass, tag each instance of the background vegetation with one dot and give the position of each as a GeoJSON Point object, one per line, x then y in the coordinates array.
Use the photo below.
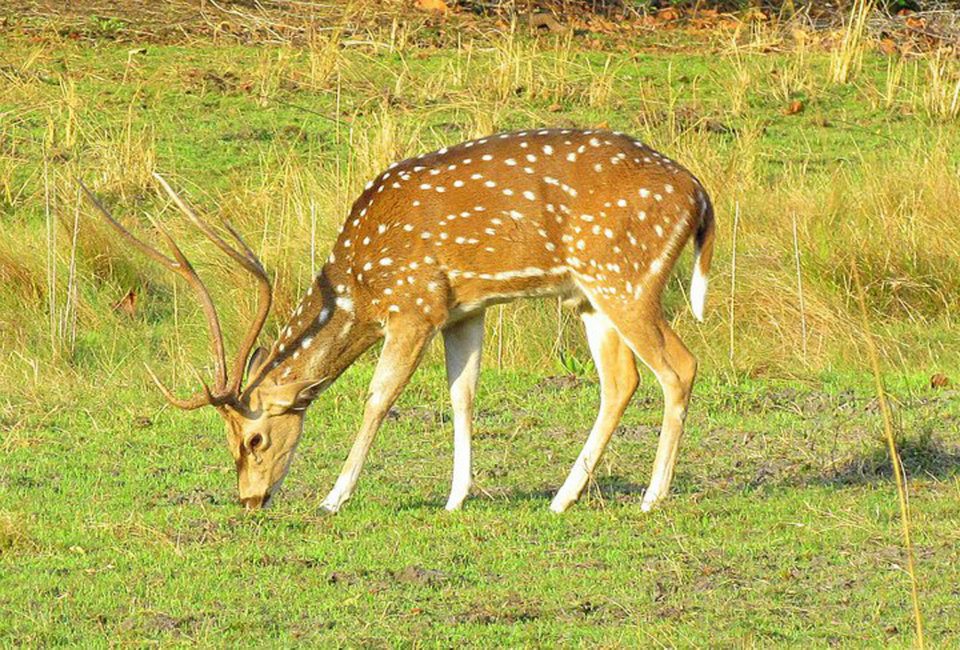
{"type": "Point", "coordinates": [823, 149]}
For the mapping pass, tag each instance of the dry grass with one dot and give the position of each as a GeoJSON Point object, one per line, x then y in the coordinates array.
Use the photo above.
{"type": "Point", "coordinates": [846, 59]}
{"type": "Point", "coordinates": [14, 534]}
{"type": "Point", "coordinates": [893, 208]}
{"type": "Point", "coordinates": [894, 453]}
{"type": "Point", "coordinates": [941, 92]}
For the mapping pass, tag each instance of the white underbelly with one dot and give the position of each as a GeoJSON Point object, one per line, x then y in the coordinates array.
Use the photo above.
{"type": "Point", "coordinates": [567, 289]}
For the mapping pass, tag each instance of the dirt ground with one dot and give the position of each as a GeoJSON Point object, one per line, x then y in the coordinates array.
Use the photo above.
{"type": "Point", "coordinates": [297, 23]}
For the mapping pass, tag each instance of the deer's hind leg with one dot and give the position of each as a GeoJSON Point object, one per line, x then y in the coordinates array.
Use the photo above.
{"type": "Point", "coordinates": [675, 368]}
{"type": "Point", "coordinates": [661, 350]}
{"type": "Point", "coordinates": [618, 381]}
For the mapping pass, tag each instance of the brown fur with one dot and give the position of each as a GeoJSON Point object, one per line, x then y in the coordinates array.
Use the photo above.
{"type": "Point", "coordinates": [593, 216]}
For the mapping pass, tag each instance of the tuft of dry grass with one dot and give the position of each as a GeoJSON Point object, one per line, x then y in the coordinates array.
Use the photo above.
{"type": "Point", "coordinates": [14, 533]}
{"type": "Point", "coordinates": [846, 58]}
{"type": "Point", "coordinates": [941, 92]}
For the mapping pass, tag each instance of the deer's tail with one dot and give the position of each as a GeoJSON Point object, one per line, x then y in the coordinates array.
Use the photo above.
{"type": "Point", "coordinates": [702, 256]}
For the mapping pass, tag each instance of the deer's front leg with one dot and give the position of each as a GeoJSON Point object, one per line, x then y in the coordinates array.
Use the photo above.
{"type": "Point", "coordinates": [403, 347]}
{"type": "Point", "coordinates": [463, 343]}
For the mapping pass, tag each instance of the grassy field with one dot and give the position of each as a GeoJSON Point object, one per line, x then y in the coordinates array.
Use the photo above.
{"type": "Point", "coordinates": [121, 525]}
{"type": "Point", "coordinates": [118, 522]}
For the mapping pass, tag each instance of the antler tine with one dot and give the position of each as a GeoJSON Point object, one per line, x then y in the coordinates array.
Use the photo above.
{"type": "Point", "coordinates": [202, 398]}
{"type": "Point", "coordinates": [246, 249]}
{"type": "Point", "coordinates": [187, 272]}
{"type": "Point", "coordinates": [146, 249]}
{"type": "Point", "coordinates": [249, 261]}
{"type": "Point", "coordinates": [199, 223]}
{"type": "Point", "coordinates": [181, 266]}
{"type": "Point", "coordinates": [264, 302]}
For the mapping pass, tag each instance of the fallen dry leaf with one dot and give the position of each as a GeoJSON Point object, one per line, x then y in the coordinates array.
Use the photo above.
{"type": "Point", "coordinates": [939, 380]}
{"type": "Point", "coordinates": [554, 108]}
{"type": "Point", "coordinates": [438, 6]}
{"type": "Point", "coordinates": [603, 125]}
{"type": "Point", "coordinates": [916, 23]}
{"type": "Point", "coordinates": [668, 14]}
{"type": "Point", "coordinates": [888, 46]}
{"type": "Point", "coordinates": [795, 107]}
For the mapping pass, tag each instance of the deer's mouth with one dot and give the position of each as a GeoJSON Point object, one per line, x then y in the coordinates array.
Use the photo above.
{"type": "Point", "coordinates": [256, 503]}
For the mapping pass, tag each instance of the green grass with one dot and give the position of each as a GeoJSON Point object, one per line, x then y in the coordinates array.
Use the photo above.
{"type": "Point", "coordinates": [118, 523]}
{"type": "Point", "coordinates": [270, 140]}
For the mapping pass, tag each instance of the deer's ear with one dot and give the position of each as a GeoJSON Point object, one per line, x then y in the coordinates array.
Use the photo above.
{"type": "Point", "coordinates": [256, 360]}
{"type": "Point", "coordinates": [277, 400]}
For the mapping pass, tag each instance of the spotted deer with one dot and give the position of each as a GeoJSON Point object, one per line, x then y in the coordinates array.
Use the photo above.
{"type": "Point", "coordinates": [595, 217]}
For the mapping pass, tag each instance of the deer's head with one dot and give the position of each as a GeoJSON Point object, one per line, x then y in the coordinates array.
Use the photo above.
{"type": "Point", "coordinates": [264, 421]}
{"type": "Point", "coordinates": [263, 429]}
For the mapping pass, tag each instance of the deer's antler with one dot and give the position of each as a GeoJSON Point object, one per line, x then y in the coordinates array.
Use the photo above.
{"type": "Point", "coordinates": [226, 386]}
{"type": "Point", "coordinates": [249, 261]}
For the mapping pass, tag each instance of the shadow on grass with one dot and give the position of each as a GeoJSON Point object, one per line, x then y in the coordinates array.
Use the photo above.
{"type": "Point", "coordinates": [921, 456]}
{"type": "Point", "coordinates": [611, 488]}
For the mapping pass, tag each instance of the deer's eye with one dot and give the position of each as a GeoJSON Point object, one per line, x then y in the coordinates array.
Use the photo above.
{"type": "Point", "coordinates": [255, 441]}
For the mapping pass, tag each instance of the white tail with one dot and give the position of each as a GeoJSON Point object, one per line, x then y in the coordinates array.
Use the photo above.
{"type": "Point", "coordinates": [702, 255]}
{"type": "Point", "coordinates": [595, 217]}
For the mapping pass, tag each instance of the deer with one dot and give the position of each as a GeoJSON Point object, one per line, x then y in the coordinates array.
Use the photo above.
{"type": "Point", "coordinates": [594, 217]}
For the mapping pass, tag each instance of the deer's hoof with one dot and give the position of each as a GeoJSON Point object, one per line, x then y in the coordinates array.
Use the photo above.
{"type": "Point", "coordinates": [326, 510]}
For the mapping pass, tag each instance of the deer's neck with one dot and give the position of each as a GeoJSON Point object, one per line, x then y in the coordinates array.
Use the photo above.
{"type": "Point", "coordinates": [323, 335]}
